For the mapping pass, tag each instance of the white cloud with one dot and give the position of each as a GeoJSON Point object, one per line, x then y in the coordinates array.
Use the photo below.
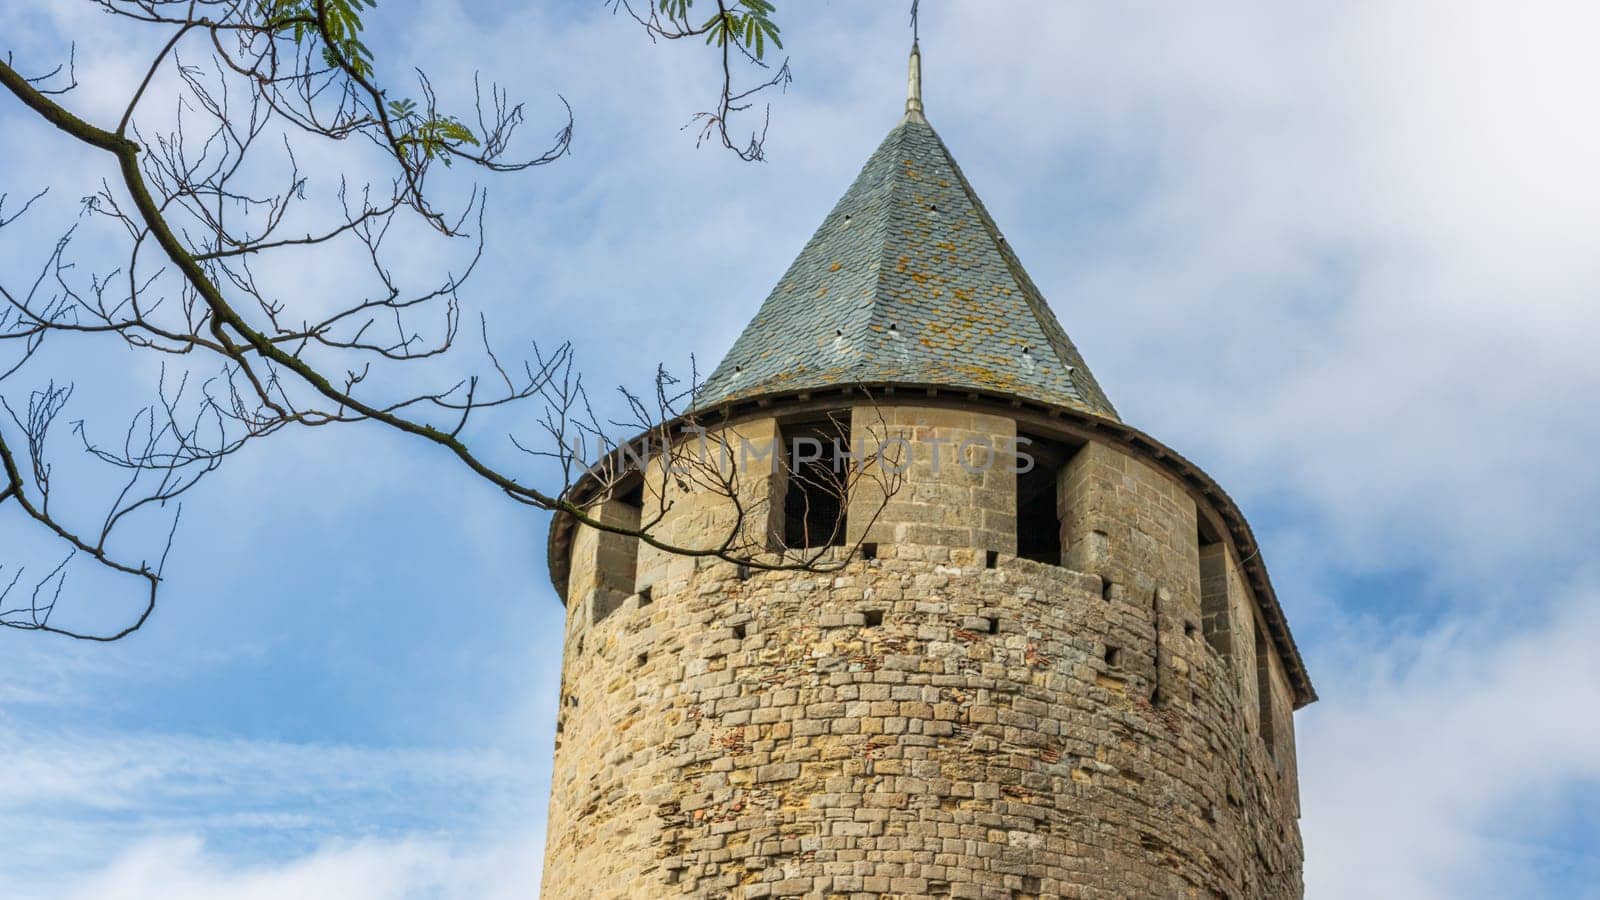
{"type": "Point", "coordinates": [77, 802]}
{"type": "Point", "coordinates": [412, 869]}
{"type": "Point", "coordinates": [1428, 766]}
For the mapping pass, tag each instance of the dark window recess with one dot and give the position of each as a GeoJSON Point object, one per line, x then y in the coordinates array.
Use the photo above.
{"type": "Point", "coordinates": [869, 551]}
{"type": "Point", "coordinates": [1156, 598]}
{"type": "Point", "coordinates": [992, 559]}
{"type": "Point", "coordinates": [1269, 731]}
{"type": "Point", "coordinates": [814, 497]}
{"type": "Point", "coordinates": [872, 618]}
{"type": "Point", "coordinates": [1214, 599]}
{"type": "Point", "coordinates": [644, 597]}
{"type": "Point", "coordinates": [738, 632]}
{"type": "Point", "coordinates": [994, 626]}
{"type": "Point", "coordinates": [643, 658]}
{"type": "Point", "coordinates": [1113, 656]}
{"type": "Point", "coordinates": [632, 494]}
{"type": "Point", "coordinates": [1038, 522]}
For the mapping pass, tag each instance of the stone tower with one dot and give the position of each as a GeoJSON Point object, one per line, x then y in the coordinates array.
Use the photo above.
{"type": "Point", "coordinates": [1070, 681]}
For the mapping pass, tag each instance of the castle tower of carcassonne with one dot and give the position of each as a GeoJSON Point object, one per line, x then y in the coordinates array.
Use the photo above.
{"type": "Point", "coordinates": [1065, 680]}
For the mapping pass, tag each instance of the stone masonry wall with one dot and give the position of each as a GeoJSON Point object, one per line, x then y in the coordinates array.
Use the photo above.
{"type": "Point", "coordinates": [1286, 771]}
{"type": "Point", "coordinates": [773, 736]}
{"type": "Point", "coordinates": [951, 495]}
{"type": "Point", "coordinates": [1133, 526]}
{"type": "Point", "coordinates": [606, 562]}
{"type": "Point", "coordinates": [692, 509]}
{"type": "Point", "coordinates": [923, 725]}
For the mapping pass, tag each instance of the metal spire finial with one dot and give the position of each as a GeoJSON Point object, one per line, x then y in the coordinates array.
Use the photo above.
{"type": "Point", "coordinates": [914, 78]}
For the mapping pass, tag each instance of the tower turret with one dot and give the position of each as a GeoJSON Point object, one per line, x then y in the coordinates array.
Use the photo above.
{"type": "Point", "coordinates": [1049, 663]}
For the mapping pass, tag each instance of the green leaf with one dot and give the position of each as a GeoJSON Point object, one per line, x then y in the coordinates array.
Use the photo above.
{"type": "Point", "coordinates": [341, 19]}
{"type": "Point", "coordinates": [752, 29]}
{"type": "Point", "coordinates": [434, 136]}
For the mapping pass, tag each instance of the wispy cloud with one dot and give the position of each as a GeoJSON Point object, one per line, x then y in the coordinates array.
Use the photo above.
{"type": "Point", "coordinates": [81, 802]}
{"type": "Point", "coordinates": [410, 869]}
{"type": "Point", "coordinates": [1442, 759]}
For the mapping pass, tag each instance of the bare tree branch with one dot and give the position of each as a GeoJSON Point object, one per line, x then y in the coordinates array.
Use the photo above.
{"type": "Point", "coordinates": [212, 206]}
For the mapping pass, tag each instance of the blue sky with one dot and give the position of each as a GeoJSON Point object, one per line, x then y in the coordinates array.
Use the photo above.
{"type": "Point", "coordinates": [1342, 257]}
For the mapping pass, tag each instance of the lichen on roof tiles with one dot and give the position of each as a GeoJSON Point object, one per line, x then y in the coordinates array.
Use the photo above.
{"type": "Point", "coordinates": [946, 300]}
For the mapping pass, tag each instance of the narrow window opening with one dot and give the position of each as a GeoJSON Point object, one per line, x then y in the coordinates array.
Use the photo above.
{"type": "Point", "coordinates": [1269, 732]}
{"type": "Point", "coordinates": [817, 475]}
{"type": "Point", "coordinates": [744, 571]}
{"type": "Point", "coordinates": [994, 625]}
{"type": "Point", "coordinates": [643, 658]}
{"type": "Point", "coordinates": [1113, 656]}
{"type": "Point", "coordinates": [991, 559]}
{"type": "Point", "coordinates": [632, 493]}
{"type": "Point", "coordinates": [1108, 590]}
{"type": "Point", "coordinates": [871, 618]}
{"type": "Point", "coordinates": [645, 598]}
{"type": "Point", "coordinates": [869, 551]}
{"type": "Point", "coordinates": [1038, 512]}
{"type": "Point", "coordinates": [738, 632]}
{"type": "Point", "coordinates": [1190, 629]}
{"type": "Point", "coordinates": [1215, 615]}
{"type": "Point", "coordinates": [1157, 596]}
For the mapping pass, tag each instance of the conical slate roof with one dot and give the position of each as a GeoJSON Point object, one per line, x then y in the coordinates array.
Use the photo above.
{"type": "Point", "coordinates": [908, 281]}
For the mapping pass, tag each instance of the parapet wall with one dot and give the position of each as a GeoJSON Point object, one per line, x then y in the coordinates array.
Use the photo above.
{"type": "Point", "coordinates": [951, 495]}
